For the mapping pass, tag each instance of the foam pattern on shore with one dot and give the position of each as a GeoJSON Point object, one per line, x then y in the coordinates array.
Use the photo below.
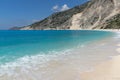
{"type": "Point", "coordinates": [117, 35]}
{"type": "Point", "coordinates": [29, 62]}
{"type": "Point", "coordinates": [64, 65]}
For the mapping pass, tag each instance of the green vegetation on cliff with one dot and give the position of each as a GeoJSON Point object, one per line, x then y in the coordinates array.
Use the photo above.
{"type": "Point", "coordinates": [114, 23]}
{"type": "Point", "coordinates": [59, 18]}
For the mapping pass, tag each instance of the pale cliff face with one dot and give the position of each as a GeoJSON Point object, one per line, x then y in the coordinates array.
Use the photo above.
{"type": "Point", "coordinates": [91, 15]}
{"type": "Point", "coordinates": [75, 21]}
{"type": "Point", "coordinates": [96, 14]}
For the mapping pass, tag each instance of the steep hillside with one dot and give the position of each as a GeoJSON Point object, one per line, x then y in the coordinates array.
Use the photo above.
{"type": "Point", "coordinates": [58, 20]}
{"type": "Point", "coordinates": [113, 23]}
{"type": "Point", "coordinates": [94, 14]}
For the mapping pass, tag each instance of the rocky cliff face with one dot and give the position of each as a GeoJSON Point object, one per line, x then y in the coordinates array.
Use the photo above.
{"type": "Point", "coordinates": [95, 14]}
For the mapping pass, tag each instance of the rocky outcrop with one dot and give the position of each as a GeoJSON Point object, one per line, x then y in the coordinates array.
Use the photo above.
{"type": "Point", "coordinates": [95, 14]}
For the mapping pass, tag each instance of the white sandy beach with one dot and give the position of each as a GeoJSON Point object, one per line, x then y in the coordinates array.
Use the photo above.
{"type": "Point", "coordinates": [108, 70]}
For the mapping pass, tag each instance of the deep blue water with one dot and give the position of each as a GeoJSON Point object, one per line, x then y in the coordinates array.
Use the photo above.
{"type": "Point", "coordinates": [17, 44]}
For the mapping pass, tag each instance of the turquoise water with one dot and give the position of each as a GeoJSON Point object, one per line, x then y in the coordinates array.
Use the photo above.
{"type": "Point", "coordinates": [17, 44]}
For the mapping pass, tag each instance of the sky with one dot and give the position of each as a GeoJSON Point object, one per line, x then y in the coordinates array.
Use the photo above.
{"type": "Point", "coordinates": [24, 12]}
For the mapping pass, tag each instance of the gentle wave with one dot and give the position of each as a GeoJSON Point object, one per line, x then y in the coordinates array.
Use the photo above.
{"type": "Point", "coordinates": [117, 35]}
{"type": "Point", "coordinates": [30, 62]}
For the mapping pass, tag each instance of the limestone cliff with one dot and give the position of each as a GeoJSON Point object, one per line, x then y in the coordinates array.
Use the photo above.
{"type": "Point", "coordinates": [94, 14]}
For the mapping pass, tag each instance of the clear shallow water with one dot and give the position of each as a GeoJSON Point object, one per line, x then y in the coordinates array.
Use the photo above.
{"type": "Point", "coordinates": [17, 44]}
{"type": "Point", "coordinates": [23, 51]}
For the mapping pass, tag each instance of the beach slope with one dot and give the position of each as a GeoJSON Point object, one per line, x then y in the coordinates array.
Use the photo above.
{"type": "Point", "coordinates": [109, 70]}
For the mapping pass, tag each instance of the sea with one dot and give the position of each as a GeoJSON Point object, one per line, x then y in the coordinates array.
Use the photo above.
{"type": "Point", "coordinates": [53, 54]}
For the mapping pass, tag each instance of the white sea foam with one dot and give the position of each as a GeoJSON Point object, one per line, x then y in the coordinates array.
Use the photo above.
{"type": "Point", "coordinates": [117, 35]}
{"type": "Point", "coordinates": [29, 62]}
{"type": "Point", "coordinates": [47, 66]}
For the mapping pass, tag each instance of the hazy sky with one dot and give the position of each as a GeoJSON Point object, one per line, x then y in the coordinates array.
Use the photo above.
{"type": "Point", "coordinates": [24, 12]}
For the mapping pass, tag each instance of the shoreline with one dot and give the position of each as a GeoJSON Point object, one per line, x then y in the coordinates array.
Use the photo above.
{"type": "Point", "coordinates": [68, 66]}
{"type": "Point", "coordinates": [112, 30]}
{"type": "Point", "coordinates": [107, 70]}
{"type": "Point", "coordinates": [72, 29]}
